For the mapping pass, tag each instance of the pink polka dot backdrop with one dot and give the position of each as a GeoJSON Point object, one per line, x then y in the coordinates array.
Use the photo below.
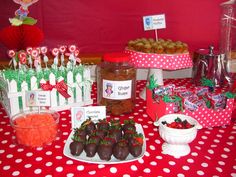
{"type": "Point", "coordinates": [161, 61]}
{"type": "Point", "coordinates": [212, 152]}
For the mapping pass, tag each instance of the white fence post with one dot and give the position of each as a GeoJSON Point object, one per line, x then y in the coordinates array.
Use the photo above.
{"type": "Point", "coordinates": [24, 88]}
{"type": "Point", "coordinates": [78, 88]}
{"type": "Point", "coordinates": [62, 100]}
{"type": "Point", "coordinates": [14, 102]}
{"type": "Point", "coordinates": [70, 83]}
{"type": "Point", "coordinates": [52, 81]}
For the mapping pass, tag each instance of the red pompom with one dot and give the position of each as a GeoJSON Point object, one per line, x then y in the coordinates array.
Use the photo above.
{"type": "Point", "coordinates": [21, 37]}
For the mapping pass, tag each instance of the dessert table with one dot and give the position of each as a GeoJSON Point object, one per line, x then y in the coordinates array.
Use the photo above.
{"type": "Point", "coordinates": [213, 152]}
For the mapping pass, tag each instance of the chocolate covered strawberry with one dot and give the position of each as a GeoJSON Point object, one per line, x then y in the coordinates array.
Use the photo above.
{"type": "Point", "coordinates": [90, 148]}
{"type": "Point", "coordinates": [136, 145]}
{"type": "Point", "coordinates": [103, 124]}
{"type": "Point", "coordinates": [80, 132]}
{"type": "Point", "coordinates": [104, 150]}
{"type": "Point", "coordinates": [89, 126]}
{"type": "Point", "coordinates": [121, 149]}
{"type": "Point", "coordinates": [76, 146]}
{"type": "Point", "coordinates": [129, 125]}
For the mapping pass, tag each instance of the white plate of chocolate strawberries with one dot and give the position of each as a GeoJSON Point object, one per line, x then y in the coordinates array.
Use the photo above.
{"type": "Point", "coordinates": [106, 142]}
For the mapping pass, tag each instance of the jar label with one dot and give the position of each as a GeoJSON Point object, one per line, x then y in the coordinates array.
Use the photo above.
{"type": "Point", "coordinates": [117, 90]}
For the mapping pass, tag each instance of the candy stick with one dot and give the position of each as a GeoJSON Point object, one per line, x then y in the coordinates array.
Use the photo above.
{"type": "Point", "coordinates": [35, 54]}
{"type": "Point", "coordinates": [76, 56]}
{"type": "Point", "coordinates": [55, 52]}
{"type": "Point", "coordinates": [12, 54]}
{"type": "Point", "coordinates": [62, 50]}
{"type": "Point", "coordinates": [28, 50]}
{"type": "Point", "coordinates": [45, 57]}
{"type": "Point", "coordinates": [72, 49]}
{"type": "Point", "coordinates": [22, 55]}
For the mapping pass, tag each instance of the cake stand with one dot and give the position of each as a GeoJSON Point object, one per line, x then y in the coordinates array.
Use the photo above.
{"type": "Point", "coordinates": [156, 63]}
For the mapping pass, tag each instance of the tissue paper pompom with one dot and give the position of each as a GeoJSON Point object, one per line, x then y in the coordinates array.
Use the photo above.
{"type": "Point", "coordinates": [21, 37]}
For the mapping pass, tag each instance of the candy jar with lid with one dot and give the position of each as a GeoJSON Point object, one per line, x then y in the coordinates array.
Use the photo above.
{"type": "Point", "coordinates": [228, 39]}
{"type": "Point", "coordinates": [116, 83]}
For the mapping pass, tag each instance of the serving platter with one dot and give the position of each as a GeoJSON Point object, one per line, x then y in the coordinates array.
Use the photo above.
{"type": "Point", "coordinates": [83, 158]}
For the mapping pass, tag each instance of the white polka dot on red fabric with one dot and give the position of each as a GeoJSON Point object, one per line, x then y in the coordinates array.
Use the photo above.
{"type": "Point", "coordinates": [15, 173]}
{"type": "Point", "coordinates": [101, 166]}
{"type": "Point", "coordinates": [210, 151]}
{"type": "Point", "coordinates": [49, 153]}
{"type": "Point", "coordinates": [18, 160]}
{"type": "Point", "coordinates": [185, 167]}
{"type": "Point", "coordinates": [28, 165]}
{"type": "Point", "coordinates": [224, 156]}
{"type": "Point", "coordinates": [180, 175]}
{"type": "Point", "coordinates": [172, 163]}
{"type": "Point", "coordinates": [153, 163]}
{"type": "Point", "coordinates": [126, 175]}
{"type": "Point", "coordinates": [80, 167]}
{"type": "Point", "coordinates": [147, 170]}
{"type": "Point", "coordinates": [190, 160]}
{"type": "Point", "coordinates": [133, 168]}
{"type": "Point", "coordinates": [29, 154]}
{"type": "Point", "coordinates": [69, 162]}
{"type": "Point", "coordinates": [167, 170]}
{"type": "Point", "coordinates": [7, 167]}
{"type": "Point", "coordinates": [113, 169]}
{"type": "Point", "coordinates": [9, 156]}
{"type": "Point", "coordinates": [204, 164]}
{"type": "Point", "coordinates": [201, 173]}
{"type": "Point", "coordinates": [59, 169]}
{"type": "Point", "coordinates": [141, 161]}
{"type": "Point", "coordinates": [70, 175]}
{"type": "Point", "coordinates": [39, 159]}
{"type": "Point", "coordinates": [159, 157]}
{"type": "Point", "coordinates": [37, 171]}
{"type": "Point", "coordinates": [152, 147]}
{"type": "Point", "coordinates": [92, 172]}
{"type": "Point", "coordinates": [48, 164]}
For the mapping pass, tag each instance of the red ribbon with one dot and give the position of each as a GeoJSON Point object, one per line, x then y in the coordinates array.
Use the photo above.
{"type": "Point", "coordinates": [60, 86]}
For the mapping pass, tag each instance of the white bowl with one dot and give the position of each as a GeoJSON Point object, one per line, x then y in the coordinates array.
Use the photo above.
{"type": "Point", "coordinates": [177, 140]}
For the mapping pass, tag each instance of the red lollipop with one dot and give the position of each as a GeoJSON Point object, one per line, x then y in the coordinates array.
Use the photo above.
{"type": "Point", "coordinates": [62, 49]}
{"type": "Point", "coordinates": [22, 57]}
{"type": "Point", "coordinates": [44, 50]}
{"type": "Point", "coordinates": [28, 50]}
{"type": "Point", "coordinates": [55, 52]}
{"type": "Point", "coordinates": [11, 53]}
{"type": "Point", "coordinates": [72, 48]}
{"type": "Point", "coordinates": [34, 53]}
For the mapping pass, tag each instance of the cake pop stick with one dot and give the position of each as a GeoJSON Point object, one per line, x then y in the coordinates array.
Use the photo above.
{"type": "Point", "coordinates": [55, 52]}
{"type": "Point", "coordinates": [28, 50]}
{"type": "Point", "coordinates": [62, 50]}
{"type": "Point", "coordinates": [12, 54]}
{"type": "Point", "coordinates": [78, 60]}
{"type": "Point", "coordinates": [22, 55]}
{"type": "Point", "coordinates": [35, 54]}
{"type": "Point", "coordinates": [45, 57]}
{"type": "Point", "coordinates": [72, 49]}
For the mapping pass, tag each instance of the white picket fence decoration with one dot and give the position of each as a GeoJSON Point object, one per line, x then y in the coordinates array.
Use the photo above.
{"type": "Point", "coordinates": [79, 90]}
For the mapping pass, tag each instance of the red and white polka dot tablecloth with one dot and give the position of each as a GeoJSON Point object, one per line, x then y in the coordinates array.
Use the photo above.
{"type": "Point", "coordinates": [213, 152]}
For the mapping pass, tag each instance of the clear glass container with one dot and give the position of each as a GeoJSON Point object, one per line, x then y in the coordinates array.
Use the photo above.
{"type": "Point", "coordinates": [228, 38]}
{"type": "Point", "coordinates": [116, 83]}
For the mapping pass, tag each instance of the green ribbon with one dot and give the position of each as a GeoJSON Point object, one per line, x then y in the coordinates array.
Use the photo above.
{"type": "Point", "coordinates": [172, 99]}
{"type": "Point", "coordinates": [152, 83]}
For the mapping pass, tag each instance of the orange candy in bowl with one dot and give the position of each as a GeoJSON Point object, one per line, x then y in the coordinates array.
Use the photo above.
{"type": "Point", "coordinates": [35, 129]}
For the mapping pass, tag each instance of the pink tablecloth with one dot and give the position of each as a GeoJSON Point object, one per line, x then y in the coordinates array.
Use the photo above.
{"type": "Point", "coordinates": [213, 152]}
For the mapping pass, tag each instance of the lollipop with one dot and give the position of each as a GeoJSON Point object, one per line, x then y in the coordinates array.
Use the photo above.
{"type": "Point", "coordinates": [28, 50]}
{"type": "Point", "coordinates": [55, 52]}
{"type": "Point", "coordinates": [12, 54]}
{"type": "Point", "coordinates": [44, 52]}
{"type": "Point", "coordinates": [76, 55]}
{"type": "Point", "coordinates": [62, 50]}
{"type": "Point", "coordinates": [34, 55]}
{"type": "Point", "coordinates": [22, 55]}
{"type": "Point", "coordinates": [72, 49]}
